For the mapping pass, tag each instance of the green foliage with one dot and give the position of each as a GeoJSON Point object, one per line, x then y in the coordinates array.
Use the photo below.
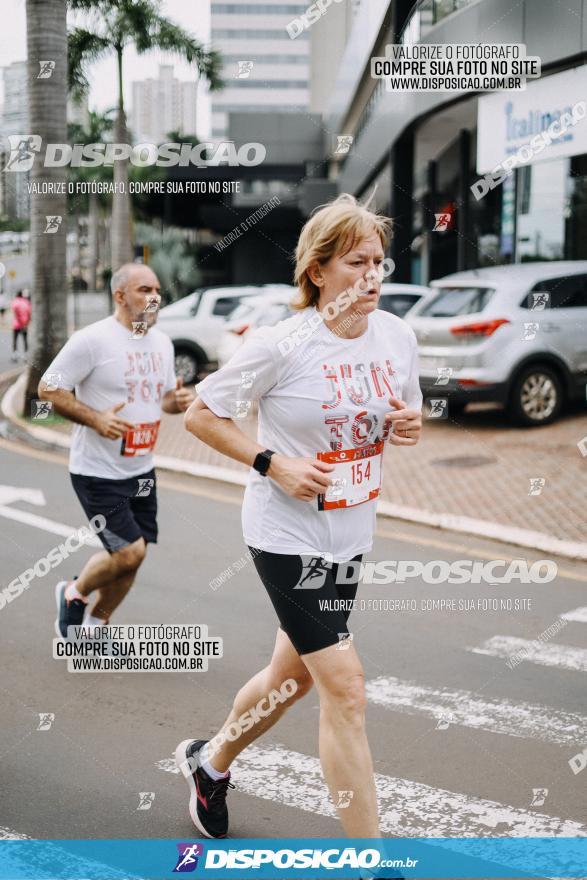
{"type": "Point", "coordinates": [172, 260]}
{"type": "Point", "coordinates": [115, 25]}
{"type": "Point", "coordinates": [99, 127]}
{"type": "Point", "coordinates": [8, 225]}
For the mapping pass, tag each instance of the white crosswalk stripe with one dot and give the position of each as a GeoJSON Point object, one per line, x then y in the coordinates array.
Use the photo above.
{"type": "Point", "coordinates": [468, 709]}
{"type": "Point", "coordinates": [407, 808]}
{"type": "Point", "coordinates": [413, 809]}
{"type": "Point", "coordinates": [9, 834]}
{"type": "Point", "coordinates": [559, 656]}
{"type": "Point", "coordinates": [579, 615]}
{"type": "Point", "coordinates": [24, 862]}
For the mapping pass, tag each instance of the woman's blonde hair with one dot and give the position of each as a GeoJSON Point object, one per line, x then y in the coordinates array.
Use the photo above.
{"type": "Point", "coordinates": [334, 229]}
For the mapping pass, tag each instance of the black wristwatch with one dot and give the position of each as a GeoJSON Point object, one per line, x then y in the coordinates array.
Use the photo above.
{"type": "Point", "coordinates": [262, 461]}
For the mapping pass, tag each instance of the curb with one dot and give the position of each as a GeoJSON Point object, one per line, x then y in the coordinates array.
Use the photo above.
{"type": "Point", "coordinates": [526, 538]}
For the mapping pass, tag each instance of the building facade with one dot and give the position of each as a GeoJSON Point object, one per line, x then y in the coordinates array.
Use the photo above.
{"type": "Point", "coordinates": [425, 150]}
{"type": "Point", "coordinates": [162, 105]}
{"type": "Point", "coordinates": [266, 66]}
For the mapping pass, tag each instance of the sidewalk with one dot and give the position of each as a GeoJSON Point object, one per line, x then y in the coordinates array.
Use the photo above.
{"type": "Point", "coordinates": [469, 475]}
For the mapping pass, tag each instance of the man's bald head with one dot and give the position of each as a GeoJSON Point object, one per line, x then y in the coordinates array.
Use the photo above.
{"type": "Point", "coordinates": [137, 294]}
{"type": "Point", "coordinates": [131, 271]}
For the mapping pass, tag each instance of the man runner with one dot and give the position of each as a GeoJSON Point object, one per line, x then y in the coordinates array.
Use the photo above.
{"type": "Point", "coordinates": [113, 379]}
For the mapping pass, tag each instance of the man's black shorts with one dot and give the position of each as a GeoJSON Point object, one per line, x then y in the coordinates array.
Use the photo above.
{"type": "Point", "coordinates": [129, 507]}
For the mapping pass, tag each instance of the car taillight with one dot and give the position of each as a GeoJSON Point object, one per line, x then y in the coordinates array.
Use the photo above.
{"type": "Point", "coordinates": [239, 331]}
{"type": "Point", "coordinates": [483, 328]}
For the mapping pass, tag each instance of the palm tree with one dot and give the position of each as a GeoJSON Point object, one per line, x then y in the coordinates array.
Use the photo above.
{"type": "Point", "coordinates": [112, 26]}
{"type": "Point", "coordinates": [47, 97]}
{"type": "Point", "coordinates": [98, 126]}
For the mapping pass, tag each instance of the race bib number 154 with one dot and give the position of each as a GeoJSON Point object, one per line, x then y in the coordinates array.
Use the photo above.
{"type": "Point", "coordinates": [356, 477]}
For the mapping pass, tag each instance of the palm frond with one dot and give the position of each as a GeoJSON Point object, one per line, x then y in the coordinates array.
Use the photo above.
{"type": "Point", "coordinates": [153, 31]}
{"type": "Point", "coordinates": [76, 133]}
{"type": "Point", "coordinates": [89, 5]}
{"type": "Point", "coordinates": [83, 48]}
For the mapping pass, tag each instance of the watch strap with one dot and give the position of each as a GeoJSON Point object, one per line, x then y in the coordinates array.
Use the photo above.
{"type": "Point", "coordinates": [262, 461]}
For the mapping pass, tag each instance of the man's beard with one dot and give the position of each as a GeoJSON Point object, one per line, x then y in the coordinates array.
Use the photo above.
{"type": "Point", "coordinates": [149, 318]}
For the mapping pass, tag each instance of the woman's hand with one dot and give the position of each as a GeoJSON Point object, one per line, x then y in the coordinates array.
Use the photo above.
{"type": "Point", "coordinates": [407, 423]}
{"type": "Point", "coordinates": [302, 478]}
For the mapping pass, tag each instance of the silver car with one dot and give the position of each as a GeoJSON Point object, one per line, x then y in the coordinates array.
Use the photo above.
{"type": "Point", "coordinates": [515, 335]}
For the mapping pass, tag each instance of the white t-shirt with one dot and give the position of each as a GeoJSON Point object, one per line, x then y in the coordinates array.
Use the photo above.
{"type": "Point", "coordinates": [324, 393]}
{"type": "Point", "coordinates": [106, 366]}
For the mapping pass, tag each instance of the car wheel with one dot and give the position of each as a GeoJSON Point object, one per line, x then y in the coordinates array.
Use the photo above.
{"type": "Point", "coordinates": [536, 397]}
{"type": "Point", "coordinates": [186, 367]}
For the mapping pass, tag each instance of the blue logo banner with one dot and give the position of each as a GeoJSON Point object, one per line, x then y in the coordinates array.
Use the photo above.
{"type": "Point", "coordinates": [307, 858]}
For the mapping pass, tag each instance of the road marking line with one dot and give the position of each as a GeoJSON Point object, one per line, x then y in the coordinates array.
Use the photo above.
{"type": "Point", "coordinates": [558, 656]}
{"type": "Point", "coordinates": [401, 537]}
{"type": "Point", "coordinates": [25, 861]}
{"type": "Point", "coordinates": [468, 709]}
{"type": "Point", "coordinates": [406, 538]}
{"type": "Point", "coordinates": [407, 808]}
{"type": "Point", "coordinates": [47, 525]}
{"type": "Point", "coordinates": [579, 615]}
{"type": "Point", "coordinates": [8, 834]}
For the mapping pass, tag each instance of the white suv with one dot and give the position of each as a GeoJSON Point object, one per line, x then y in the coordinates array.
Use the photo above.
{"type": "Point", "coordinates": [195, 324]}
{"type": "Point", "coordinates": [513, 334]}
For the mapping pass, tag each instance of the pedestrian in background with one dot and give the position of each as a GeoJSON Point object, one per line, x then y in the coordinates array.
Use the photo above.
{"type": "Point", "coordinates": [21, 318]}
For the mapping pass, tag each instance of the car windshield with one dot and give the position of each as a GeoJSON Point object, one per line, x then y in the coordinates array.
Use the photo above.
{"type": "Point", "coordinates": [243, 310]}
{"type": "Point", "coordinates": [273, 314]}
{"type": "Point", "coordinates": [452, 301]}
{"type": "Point", "coordinates": [397, 303]}
{"type": "Point", "coordinates": [187, 305]}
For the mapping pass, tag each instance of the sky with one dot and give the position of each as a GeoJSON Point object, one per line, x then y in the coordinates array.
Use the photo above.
{"type": "Point", "coordinates": [193, 15]}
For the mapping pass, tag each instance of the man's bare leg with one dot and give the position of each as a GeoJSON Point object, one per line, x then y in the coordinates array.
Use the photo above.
{"type": "Point", "coordinates": [109, 598]}
{"type": "Point", "coordinates": [112, 574]}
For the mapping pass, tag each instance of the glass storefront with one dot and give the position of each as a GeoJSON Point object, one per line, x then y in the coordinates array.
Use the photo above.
{"type": "Point", "coordinates": [576, 210]}
{"type": "Point", "coordinates": [538, 213]}
{"type": "Point", "coordinates": [541, 208]}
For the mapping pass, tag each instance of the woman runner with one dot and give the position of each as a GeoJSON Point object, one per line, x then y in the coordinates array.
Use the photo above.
{"type": "Point", "coordinates": [333, 383]}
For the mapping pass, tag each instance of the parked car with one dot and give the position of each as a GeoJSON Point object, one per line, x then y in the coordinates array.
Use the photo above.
{"type": "Point", "coordinates": [195, 324]}
{"type": "Point", "coordinates": [515, 335]}
{"type": "Point", "coordinates": [264, 310]}
{"type": "Point", "coordinates": [270, 308]}
{"type": "Point", "coordinates": [400, 298]}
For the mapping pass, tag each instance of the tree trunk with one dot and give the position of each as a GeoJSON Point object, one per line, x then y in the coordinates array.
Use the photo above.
{"type": "Point", "coordinates": [93, 241]}
{"type": "Point", "coordinates": [47, 40]}
{"type": "Point", "coordinates": [121, 237]}
{"type": "Point", "coordinates": [78, 241]}
{"type": "Point", "coordinates": [107, 254]}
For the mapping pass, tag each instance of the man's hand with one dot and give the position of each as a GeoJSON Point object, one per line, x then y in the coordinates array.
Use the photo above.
{"type": "Point", "coordinates": [179, 399]}
{"type": "Point", "coordinates": [302, 478]}
{"type": "Point", "coordinates": [109, 425]}
{"type": "Point", "coordinates": [406, 423]}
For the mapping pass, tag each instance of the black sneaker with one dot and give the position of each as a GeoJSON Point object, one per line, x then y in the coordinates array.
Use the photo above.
{"type": "Point", "coordinates": [207, 796]}
{"type": "Point", "coordinates": [69, 612]}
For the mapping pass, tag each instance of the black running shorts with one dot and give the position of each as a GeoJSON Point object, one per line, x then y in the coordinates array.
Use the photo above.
{"type": "Point", "coordinates": [312, 608]}
{"type": "Point", "coordinates": [129, 507]}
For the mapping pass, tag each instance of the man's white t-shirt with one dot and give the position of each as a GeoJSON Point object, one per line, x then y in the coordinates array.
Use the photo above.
{"type": "Point", "coordinates": [317, 392]}
{"type": "Point", "coordinates": [105, 366]}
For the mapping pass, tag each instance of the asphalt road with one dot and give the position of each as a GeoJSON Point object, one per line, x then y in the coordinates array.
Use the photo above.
{"type": "Point", "coordinates": [471, 772]}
